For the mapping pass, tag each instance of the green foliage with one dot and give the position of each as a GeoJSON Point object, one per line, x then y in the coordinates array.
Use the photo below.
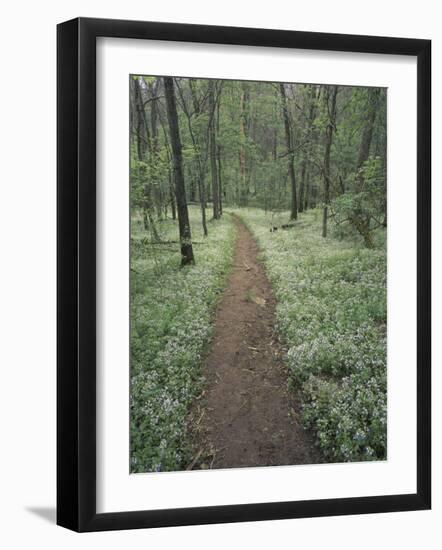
{"type": "Point", "coordinates": [248, 119]}
{"type": "Point", "coordinates": [331, 315]}
{"type": "Point", "coordinates": [171, 310]}
{"type": "Point", "coordinates": [366, 202]}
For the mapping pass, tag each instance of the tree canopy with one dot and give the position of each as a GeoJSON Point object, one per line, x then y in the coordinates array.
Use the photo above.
{"type": "Point", "coordinates": [275, 146]}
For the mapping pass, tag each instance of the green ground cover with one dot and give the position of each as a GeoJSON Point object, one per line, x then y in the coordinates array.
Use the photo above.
{"type": "Point", "coordinates": [171, 324]}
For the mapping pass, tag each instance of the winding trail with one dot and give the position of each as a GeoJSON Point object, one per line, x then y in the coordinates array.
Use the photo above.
{"type": "Point", "coordinates": [246, 416]}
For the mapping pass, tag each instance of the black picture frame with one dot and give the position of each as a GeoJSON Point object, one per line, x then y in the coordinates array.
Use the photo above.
{"type": "Point", "coordinates": [76, 274]}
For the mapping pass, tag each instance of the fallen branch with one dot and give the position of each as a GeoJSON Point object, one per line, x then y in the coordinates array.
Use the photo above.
{"type": "Point", "coordinates": [161, 243]}
{"type": "Point", "coordinates": [283, 226]}
{"type": "Point", "coordinates": [198, 454]}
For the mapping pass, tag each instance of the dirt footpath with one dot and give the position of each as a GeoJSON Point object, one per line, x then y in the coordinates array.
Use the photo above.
{"type": "Point", "coordinates": [246, 416]}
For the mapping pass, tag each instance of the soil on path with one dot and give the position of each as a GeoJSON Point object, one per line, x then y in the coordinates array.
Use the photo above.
{"type": "Point", "coordinates": [246, 417]}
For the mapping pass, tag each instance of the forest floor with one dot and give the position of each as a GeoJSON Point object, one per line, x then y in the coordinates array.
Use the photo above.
{"type": "Point", "coordinates": [246, 415]}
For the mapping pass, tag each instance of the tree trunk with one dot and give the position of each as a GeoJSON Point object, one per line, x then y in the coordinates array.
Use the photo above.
{"type": "Point", "coordinates": [180, 190]}
{"type": "Point", "coordinates": [142, 128]}
{"type": "Point", "coordinates": [290, 154]}
{"type": "Point", "coordinates": [274, 154]}
{"type": "Point", "coordinates": [360, 221]}
{"type": "Point", "coordinates": [307, 191]}
{"type": "Point", "coordinates": [303, 201]}
{"type": "Point", "coordinates": [330, 101]}
{"type": "Point", "coordinates": [144, 146]}
{"type": "Point", "coordinates": [212, 150]}
{"type": "Point", "coordinates": [202, 192]}
{"type": "Point", "coordinates": [367, 133]}
{"type": "Point", "coordinates": [385, 205]}
{"type": "Point", "coordinates": [243, 194]}
{"type": "Point", "coordinates": [302, 186]}
{"type": "Point", "coordinates": [218, 158]}
{"type": "Point", "coordinates": [197, 148]}
{"type": "Point", "coordinates": [172, 195]}
{"type": "Point", "coordinates": [220, 187]}
{"type": "Point", "coordinates": [155, 154]}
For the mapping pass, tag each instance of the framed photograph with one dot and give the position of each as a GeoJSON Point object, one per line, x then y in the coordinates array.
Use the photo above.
{"type": "Point", "coordinates": [243, 274]}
